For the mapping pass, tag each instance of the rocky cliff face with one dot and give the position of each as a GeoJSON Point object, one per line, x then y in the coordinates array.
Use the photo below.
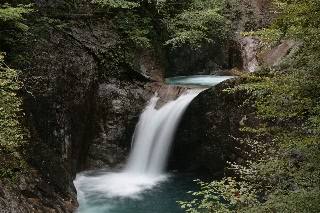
{"type": "Point", "coordinates": [209, 134]}
{"type": "Point", "coordinates": [81, 110]}
{"type": "Point", "coordinates": [82, 107]}
{"type": "Point", "coordinates": [118, 106]}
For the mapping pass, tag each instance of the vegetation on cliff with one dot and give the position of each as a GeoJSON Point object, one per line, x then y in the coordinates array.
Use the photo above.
{"type": "Point", "coordinates": [284, 175]}
{"type": "Point", "coordinates": [12, 133]}
{"type": "Point", "coordinates": [173, 22]}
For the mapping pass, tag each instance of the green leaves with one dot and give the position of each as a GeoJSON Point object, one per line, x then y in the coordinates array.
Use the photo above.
{"type": "Point", "coordinates": [13, 25]}
{"type": "Point", "coordinates": [194, 27]}
{"type": "Point", "coordinates": [284, 175]}
{"type": "Point", "coordinates": [12, 133]}
{"type": "Point", "coordinates": [202, 22]}
{"type": "Point", "coordinates": [171, 22]}
{"type": "Point", "coordinates": [221, 196]}
{"type": "Point", "coordinates": [14, 16]}
{"type": "Point", "coordinates": [136, 29]}
{"type": "Point", "coordinates": [123, 4]}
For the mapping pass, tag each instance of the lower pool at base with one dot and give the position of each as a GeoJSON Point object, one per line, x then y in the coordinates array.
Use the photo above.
{"type": "Point", "coordinates": [159, 196]}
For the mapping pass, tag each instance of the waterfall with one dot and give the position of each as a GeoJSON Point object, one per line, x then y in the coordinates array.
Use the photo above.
{"type": "Point", "coordinates": [138, 188]}
{"type": "Point", "coordinates": [154, 134]}
{"type": "Point", "coordinates": [147, 161]}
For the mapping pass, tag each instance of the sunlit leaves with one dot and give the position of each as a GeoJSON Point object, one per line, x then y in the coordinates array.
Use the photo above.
{"type": "Point", "coordinates": [14, 16]}
{"type": "Point", "coordinates": [194, 27]}
{"type": "Point", "coordinates": [116, 4]}
{"type": "Point", "coordinates": [221, 196]}
{"type": "Point", "coordinates": [12, 133]}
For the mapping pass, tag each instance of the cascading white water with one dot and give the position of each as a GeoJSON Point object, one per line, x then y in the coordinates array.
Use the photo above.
{"type": "Point", "coordinates": [99, 191]}
{"type": "Point", "coordinates": [151, 145]}
{"type": "Point", "coordinates": [154, 134]}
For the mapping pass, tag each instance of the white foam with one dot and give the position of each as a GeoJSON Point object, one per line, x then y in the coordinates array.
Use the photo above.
{"type": "Point", "coordinates": [111, 184]}
{"type": "Point", "coordinates": [151, 145]}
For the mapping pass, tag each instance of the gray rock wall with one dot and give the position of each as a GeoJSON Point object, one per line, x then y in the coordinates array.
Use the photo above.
{"type": "Point", "coordinates": [209, 134]}
{"type": "Point", "coordinates": [80, 107]}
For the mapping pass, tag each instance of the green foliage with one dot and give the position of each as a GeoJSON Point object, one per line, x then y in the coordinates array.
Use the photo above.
{"type": "Point", "coordinates": [196, 26]}
{"type": "Point", "coordinates": [12, 133]}
{"type": "Point", "coordinates": [13, 16]}
{"type": "Point", "coordinates": [12, 25]}
{"type": "Point", "coordinates": [116, 4]}
{"type": "Point", "coordinates": [221, 196]}
{"type": "Point", "coordinates": [130, 21]}
{"type": "Point", "coordinates": [10, 106]}
{"type": "Point", "coordinates": [172, 22]}
{"type": "Point", "coordinates": [284, 173]}
{"type": "Point", "coordinates": [298, 18]}
{"type": "Point", "coordinates": [203, 21]}
{"type": "Point", "coordinates": [136, 29]}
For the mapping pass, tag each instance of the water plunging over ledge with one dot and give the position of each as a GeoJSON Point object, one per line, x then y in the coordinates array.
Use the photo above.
{"type": "Point", "coordinates": [105, 191]}
{"type": "Point", "coordinates": [151, 143]}
{"type": "Point", "coordinates": [154, 134]}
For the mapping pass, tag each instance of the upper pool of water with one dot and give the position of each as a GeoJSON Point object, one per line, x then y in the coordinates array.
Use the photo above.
{"type": "Point", "coordinates": [197, 80]}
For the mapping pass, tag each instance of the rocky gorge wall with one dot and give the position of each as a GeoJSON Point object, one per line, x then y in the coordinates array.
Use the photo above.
{"type": "Point", "coordinates": [209, 133]}
{"type": "Point", "coordinates": [82, 108]}
{"type": "Point", "coordinates": [81, 111]}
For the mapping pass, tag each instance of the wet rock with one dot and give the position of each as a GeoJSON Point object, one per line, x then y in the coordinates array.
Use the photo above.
{"type": "Point", "coordinates": [118, 106]}
{"type": "Point", "coordinates": [165, 92]}
{"type": "Point", "coordinates": [81, 114]}
{"type": "Point", "coordinates": [27, 194]}
{"type": "Point", "coordinates": [250, 49]}
{"type": "Point", "coordinates": [82, 109]}
{"type": "Point", "coordinates": [150, 64]}
{"type": "Point", "coordinates": [275, 55]}
{"type": "Point", "coordinates": [209, 134]}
